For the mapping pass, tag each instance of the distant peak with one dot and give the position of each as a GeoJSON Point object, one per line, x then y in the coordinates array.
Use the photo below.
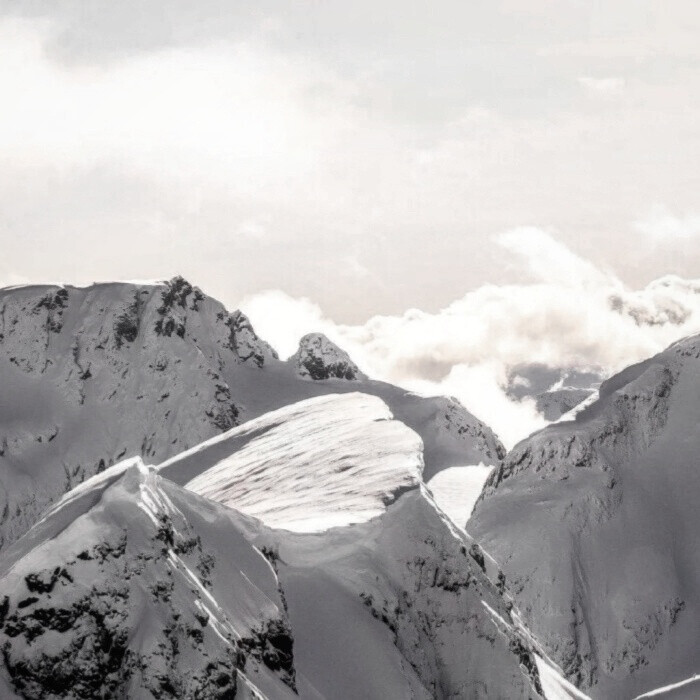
{"type": "Point", "coordinates": [319, 358]}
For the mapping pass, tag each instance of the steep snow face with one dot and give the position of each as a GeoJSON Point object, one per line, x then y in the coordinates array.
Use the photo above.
{"type": "Point", "coordinates": [131, 587]}
{"type": "Point", "coordinates": [554, 685]}
{"type": "Point", "coordinates": [319, 358]}
{"type": "Point", "coordinates": [458, 432]}
{"type": "Point", "coordinates": [135, 587]}
{"type": "Point", "coordinates": [595, 524]}
{"type": "Point", "coordinates": [324, 462]}
{"type": "Point", "coordinates": [92, 375]}
{"type": "Point", "coordinates": [457, 489]}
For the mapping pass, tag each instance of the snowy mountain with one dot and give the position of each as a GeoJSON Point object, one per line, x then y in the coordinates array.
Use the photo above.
{"type": "Point", "coordinates": [137, 587]}
{"type": "Point", "coordinates": [555, 390]}
{"type": "Point", "coordinates": [595, 524]}
{"type": "Point", "coordinates": [95, 375]}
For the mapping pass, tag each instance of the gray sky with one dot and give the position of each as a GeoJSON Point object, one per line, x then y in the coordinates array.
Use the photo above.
{"type": "Point", "coordinates": [365, 155]}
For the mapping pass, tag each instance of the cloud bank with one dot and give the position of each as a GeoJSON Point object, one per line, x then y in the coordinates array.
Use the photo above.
{"type": "Point", "coordinates": [568, 314]}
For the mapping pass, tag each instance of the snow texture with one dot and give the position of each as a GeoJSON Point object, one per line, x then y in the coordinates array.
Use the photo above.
{"type": "Point", "coordinates": [93, 375]}
{"type": "Point", "coordinates": [325, 462]}
{"type": "Point", "coordinates": [457, 489]}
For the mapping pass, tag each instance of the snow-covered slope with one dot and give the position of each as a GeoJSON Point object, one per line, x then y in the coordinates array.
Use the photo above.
{"type": "Point", "coordinates": [595, 523]}
{"type": "Point", "coordinates": [328, 461]}
{"type": "Point", "coordinates": [134, 585]}
{"type": "Point", "coordinates": [457, 489]}
{"type": "Point", "coordinates": [94, 375]}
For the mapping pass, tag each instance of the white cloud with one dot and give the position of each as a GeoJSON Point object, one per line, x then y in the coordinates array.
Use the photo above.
{"type": "Point", "coordinates": [663, 225]}
{"type": "Point", "coordinates": [255, 229]}
{"type": "Point", "coordinates": [570, 315]}
{"type": "Point", "coordinates": [282, 320]}
{"type": "Point", "coordinates": [219, 115]}
{"type": "Point", "coordinates": [601, 86]}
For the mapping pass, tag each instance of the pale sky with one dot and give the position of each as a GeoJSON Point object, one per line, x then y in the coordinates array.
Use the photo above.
{"type": "Point", "coordinates": [366, 155]}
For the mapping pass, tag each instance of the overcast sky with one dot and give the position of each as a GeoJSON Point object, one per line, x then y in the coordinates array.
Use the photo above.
{"type": "Point", "coordinates": [362, 154]}
{"type": "Point", "coordinates": [447, 188]}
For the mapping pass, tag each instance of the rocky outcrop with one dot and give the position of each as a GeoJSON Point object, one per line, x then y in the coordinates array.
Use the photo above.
{"type": "Point", "coordinates": [318, 358]}
{"type": "Point", "coordinates": [591, 522]}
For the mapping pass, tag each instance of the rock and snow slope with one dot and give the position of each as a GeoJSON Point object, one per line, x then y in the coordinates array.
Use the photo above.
{"type": "Point", "coordinates": [131, 587]}
{"type": "Point", "coordinates": [134, 585]}
{"type": "Point", "coordinates": [94, 375]}
{"type": "Point", "coordinates": [595, 523]}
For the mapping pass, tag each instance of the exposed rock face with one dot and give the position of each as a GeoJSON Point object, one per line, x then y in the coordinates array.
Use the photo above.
{"type": "Point", "coordinates": [130, 588]}
{"type": "Point", "coordinates": [318, 358]}
{"type": "Point", "coordinates": [93, 375]}
{"type": "Point", "coordinates": [594, 523]}
{"type": "Point", "coordinates": [405, 579]}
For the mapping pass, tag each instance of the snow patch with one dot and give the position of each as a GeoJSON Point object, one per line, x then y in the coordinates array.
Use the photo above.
{"type": "Point", "coordinates": [457, 489]}
{"type": "Point", "coordinates": [329, 461]}
{"type": "Point", "coordinates": [554, 685]}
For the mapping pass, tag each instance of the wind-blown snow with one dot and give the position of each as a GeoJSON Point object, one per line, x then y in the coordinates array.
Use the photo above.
{"type": "Point", "coordinates": [554, 685]}
{"type": "Point", "coordinates": [670, 689]}
{"type": "Point", "coordinates": [333, 460]}
{"type": "Point", "coordinates": [457, 489]}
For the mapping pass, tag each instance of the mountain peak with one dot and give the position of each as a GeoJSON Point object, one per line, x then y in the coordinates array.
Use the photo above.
{"type": "Point", "coordinates": [319, 358]}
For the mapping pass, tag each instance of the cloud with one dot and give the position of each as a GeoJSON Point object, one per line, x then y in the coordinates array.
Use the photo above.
{"type": "Point", "coordinates": [601, 86]}
{"type": "Point", "coordinates": [548, 260]}
{"type": "Point", "coordinates": [569, 315]}
{"type": "Point", "coordinates": [256, 228]}
{"type": "Point", "coordinates": [282, 320]}
{"type": "Point", "coordinates": [663, 225]}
